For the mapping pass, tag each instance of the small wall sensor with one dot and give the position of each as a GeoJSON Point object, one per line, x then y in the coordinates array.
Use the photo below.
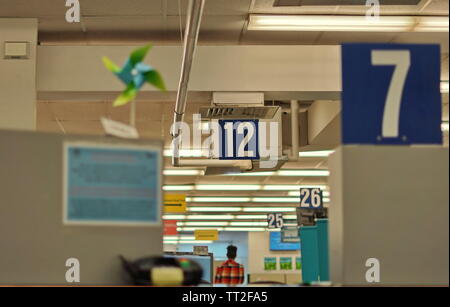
{"type": "Point", "coordinates": [16, 50]}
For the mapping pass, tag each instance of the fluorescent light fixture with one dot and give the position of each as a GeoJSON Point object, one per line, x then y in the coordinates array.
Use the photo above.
{"type": "Point", "coordinates": [244, 229]}
{"type": "Point", "coordinates": [290, 224]}
{"type": "Point", "coordinates": [315, 154]}
{"type": "Point", "coordinates": [287, 172]}
{"type": "Point", "coordinates": [227, 187]}
{"type": "Point", "coordinates": [303, 173]}
{"type": "Point", "coordinates": [279, 187]}
{"type": "Point", "coordinates": [444, 126]}
{"type": "Point", "coordinates": [214, 209]}
{"type": "Point", "coordinates": [186, 153]}
{"type": "Point", "coordinates": [171, 238]}
{"type": "Point", "coordinates": [196, 242]}
{"type": "Point", "coordinates": [251, 217]}
{"type": "Point", "coordinates": [199, 228]}
{"type": "Point", "coordinates": [253, 174]}
{"type": "Point", "coordinates": [431, 24]}
{"type": "Point", "coordinates": [219, 229]}
{"type": "Point", "coordinates": [183, 172]}
{"type": "Point", "coordinates": [263, 216]}
{"type": "Point", "coordinates": [178, 188]}
{"type": "Point", "coordinates": [347, 23]}
{"type": "Point", "coordinates": [218, 199]}
{"type": "Point", "coordinates": [297, 193]}
{"type": "Point", "coordinates": [199, 223]}
{"type": "Point", "coordinates": [174, 217]}
{"type": "Point", "coordinates": [290, 216]}
{"type": "Point", "coordinates": [292, 172]}
{"type": "Point", "coordinates": [204, 199]}
{"type": "Point", "coordinates": [234, 217]}
{"type": "Point", "coordinates": [444, 87]}
{"type": "Point", "coordinates": [205, 125]}
{"type": "Point", "coordinates": [248, 224]}
{"type": "Point", "coordinates": [174, 238]}
{"type": "Point", "coordinates": [239, 187]}
{"type": "Point", "coordinates": [211, 217]}
{"type": "Point", "coordinates": [275, 200]}
{"type": "Point", "coordinates": [269, 209]}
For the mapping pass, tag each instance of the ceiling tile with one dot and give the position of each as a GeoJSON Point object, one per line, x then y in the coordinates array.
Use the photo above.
{"type": "Point", "coordinates": [120, 7]}
{"type": "Point", "coordinates": [127, 23]}
{"type": "Point", "coordinates": [279, 37]}
{"type": "Point", "coordinates": [213, 8]}
{"type": "Point", "coordinates": [337, 38]}
{"type": "Point", "coordinates": [424, 38]}
{"type": "Point", "coordinates": [44, 112]}
{"type": "Point", "coordinates": [32, 8]}
{"type": "Point", "coordinates": [50, 24]}
{"type": "Point", "coordinates": [81, 111]}
{"type": "Point", "coordinates": [93, 127]}
{"type": "Point", "coordinates": [48, 126]}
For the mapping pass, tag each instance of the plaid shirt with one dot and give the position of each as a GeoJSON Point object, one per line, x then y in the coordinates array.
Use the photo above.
{"type": "Point", "coordinates": [230, 273]}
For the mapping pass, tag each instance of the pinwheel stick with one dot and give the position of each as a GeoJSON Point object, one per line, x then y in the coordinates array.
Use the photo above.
{"type": "Point", "coordinates": [133, 113]}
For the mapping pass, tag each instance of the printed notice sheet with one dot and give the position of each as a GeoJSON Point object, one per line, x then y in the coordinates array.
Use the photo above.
{"type": "Point", "coordinates": [112, 184]}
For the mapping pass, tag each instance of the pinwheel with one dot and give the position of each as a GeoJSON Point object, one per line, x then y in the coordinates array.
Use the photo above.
{"type": "Point", "coordinates": [134, 74]}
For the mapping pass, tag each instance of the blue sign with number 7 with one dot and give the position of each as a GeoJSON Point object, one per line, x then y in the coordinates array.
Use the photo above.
{"type": "Point", "coordinates": [391, 94]}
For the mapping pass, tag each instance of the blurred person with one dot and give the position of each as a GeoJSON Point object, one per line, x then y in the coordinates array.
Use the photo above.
{"type": "Point", "coordinates": [230, 272]}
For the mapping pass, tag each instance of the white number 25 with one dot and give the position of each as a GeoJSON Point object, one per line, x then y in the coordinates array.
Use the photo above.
{"type": "Point", "coordinates": [401, 59]}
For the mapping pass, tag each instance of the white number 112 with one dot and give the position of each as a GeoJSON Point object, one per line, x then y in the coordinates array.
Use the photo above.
{"type": "Point", "coordinates": [401, 59]}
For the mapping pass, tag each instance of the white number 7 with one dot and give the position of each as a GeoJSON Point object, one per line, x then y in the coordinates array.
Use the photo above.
{"type": "Point", "coordinates": [401, 59]}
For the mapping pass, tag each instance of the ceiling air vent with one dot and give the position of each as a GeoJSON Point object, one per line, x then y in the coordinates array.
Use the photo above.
{"type": "Point", "coordinates": [340, 2]}
{"type": "Point", "coordinates": [238, 112]}
{"type": "Point", "coordinates": [238, 98]}
{"type": "Point", "coordinates": [16, 50]}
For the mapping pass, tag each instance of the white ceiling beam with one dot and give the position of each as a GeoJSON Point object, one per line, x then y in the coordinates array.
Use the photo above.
{"type": "Point", "coordinates": [217, 68]}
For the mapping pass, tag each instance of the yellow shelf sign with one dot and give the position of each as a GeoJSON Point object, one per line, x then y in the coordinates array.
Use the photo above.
{"type": "Point", "coordinates": [206, 234]}
{"type": "Point", "coordinates": [174, 203]}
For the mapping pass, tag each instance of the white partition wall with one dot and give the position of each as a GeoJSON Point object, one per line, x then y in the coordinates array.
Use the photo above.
{"type": "Point", "coordinates": [18, 76]}
{"type": "Point", "coordinates": [390, 203]}
{"type": "Point", "coordinates": [35, 243]}
{"type": "Point", "coordinates": [216, 68]}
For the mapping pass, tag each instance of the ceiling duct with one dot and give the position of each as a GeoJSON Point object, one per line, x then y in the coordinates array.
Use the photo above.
{"type": "Point", "coordinates": [238, 112]}
{"type": "Point", "coordinates": [279, 3]}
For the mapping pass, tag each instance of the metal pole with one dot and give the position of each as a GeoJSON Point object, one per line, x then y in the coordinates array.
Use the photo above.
{"type": "Point", "coordinates": [193, 20]}
{"type": "Point", "coordinates": [294, 130]}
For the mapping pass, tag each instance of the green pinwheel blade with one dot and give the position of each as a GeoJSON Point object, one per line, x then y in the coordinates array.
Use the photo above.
{"type": "Point", "coordinates": [139, 54]}
{"type": "Point", "coordinates": [127, 95]}
{"type": "Point", "coordinates": [154, 78]}
{"type": "Point", "coordinates": [110, 65]}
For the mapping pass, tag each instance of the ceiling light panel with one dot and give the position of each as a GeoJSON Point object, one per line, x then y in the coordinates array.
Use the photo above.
{"type": "Point", "coordinates": [214, 209]}
{"type": "Point", "coordinates": [315, 154]}
{"type": "Point", "coordinates": [183, 172]}
{"type": "Point", "coordinates": [347, 23]}
{"type": "Point", "coordinates": [227, 187]}
{"type": "Point", "coordinates": [218, 199]}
